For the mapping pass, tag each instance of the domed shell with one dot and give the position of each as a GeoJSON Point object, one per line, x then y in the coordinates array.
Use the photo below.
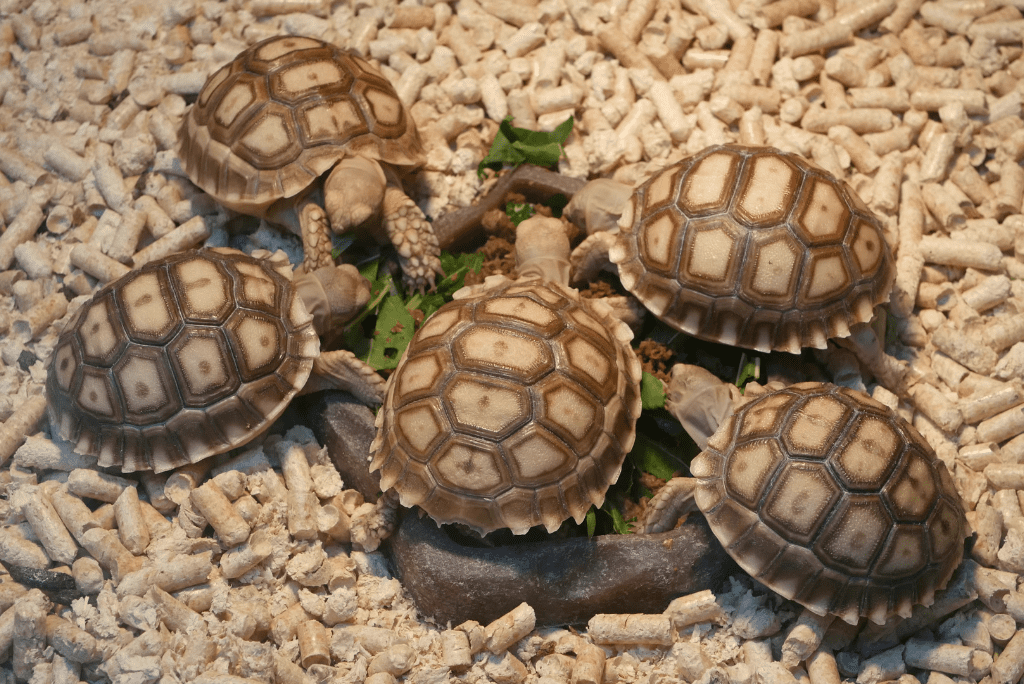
{"type": "Point", "coordinates": [832, 500]}
{"type": "Point", "coordinates": [511, 408]}
{"type": "Point", "coordinates": [754, 247]}
{"type": "Point", "coordinates": [285, 111]}
{"type": "Point", "coordinates": [182, 359]}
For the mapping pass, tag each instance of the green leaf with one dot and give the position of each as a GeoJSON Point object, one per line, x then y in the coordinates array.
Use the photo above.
{"type": "Point", "coordinates": [394, 331]}
{"type": "Point", "coordinates": [749, 371]}
{"type": "Point", "coordinates": [621, 525]}
{"type": "Point", "coordinates": [653, 458]}
{"type": "Point", "coordinates": [455, 268]}
{"type": "Point", "coordinates": [652, 392]}
{"type": "Point", "coordinates": [591, 521]}
{"type": "Point", "coordinates": [518, 212]}
{"type": "Point", "coordinates": [516, 146]}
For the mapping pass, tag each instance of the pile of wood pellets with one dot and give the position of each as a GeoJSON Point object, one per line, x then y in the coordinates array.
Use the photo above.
{"type": "Point", "coordinates": [202, 576]}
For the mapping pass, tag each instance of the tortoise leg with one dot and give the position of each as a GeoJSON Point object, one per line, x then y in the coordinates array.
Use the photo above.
{"type": "Point", "coordinates": [316, 236]}
{"type": "Point", "coordinates": [413, 237]}
{"type": "Point", "coordinates": [672, 502]}
{"type": "Point", "coordinates": [340, 369]}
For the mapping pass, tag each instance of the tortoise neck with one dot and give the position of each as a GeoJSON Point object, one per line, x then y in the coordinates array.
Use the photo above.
{"type": "Point", "coordinates": [542, 249]}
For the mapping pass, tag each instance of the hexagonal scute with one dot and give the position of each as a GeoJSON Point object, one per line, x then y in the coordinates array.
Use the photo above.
{"type": "Point", "coordinates": [593, 367]}
{"type": "Point", "coordinates": [486, 407]}
{"type": "Point", "coordinates": [147, 303]}
{"type": "Point", "coordinates": [537, 317]}
{"type": "Point", "coordinates": [822, 217]}
{"type": "Point", "coordinates": [201, 361]}
{"type": "Point", "coordinates": [658, 238]}
{"type": "Point", "coordinates": [256, 287]}
{"type": "Point", "coordinates": [258, 343]}
{"type": "Point", "coordinates": [240, 94]}
{"type": "Point", "coordinates": [100, 335]}
{"type": "Point", "coordinates": [708, 186]}
{"type": "Point", "coordinates": [301, 79]}
{"type": "Point", "coordinates": [801, 498]}
{"type": "Point", "coordinates": [420, 427]}
{"type": "Point", "coordinates": [573, 415]}
{"type": "Point", "coordinates": [420, 376]}
{"type": "Point", "coordinates": [766, 190]}
{"type": "Point", "coordinates": [337, 121]}
{"type": "Point", "coordinates": [438, 328]}
{"type": "Point", "coordinates": [867, 246]}
{"type": "Point", "coordinates": [65, 364]}
{"type": "Point", "coordinates": [749, 469]}
{"type": "Point", "coordinates": [905, 553]}
{"type": "Point", "coordinates": [660, 190]}
{"type": "Point", "coordinates": [771, 268]}
{"type": "Point", "coordinates": [507, 352]}
{"type": "Point", "coordinates": [826, 277]}
{"type": "Point", "coordinates": [97, 396]}
{"type": "Point", "coordinates": [537, 457]}
{"type": "Point", "coordinates": [269, 140]}
{"type": "Point", "coordinates": [203, 290]}
{"type": "Point", "coordinates": [852, 538]}
{"type": "Point", "coordinates": [946, 531]}
{"type": "Point", "coordinates": [147, 386]}
{"type": "Point", "coordinates": [712, 256]}
{"type": "Point", "coordinates": [868, 454]}
{"type": "Point", "coordinates": [382, 108]}
{"type": "Point", "coordinates": [912, 491]}
{"type": "Point", "coordinates": [764, 416]}
{"type": "Point", "coordinates": [471, 466]}
{"type": "Point", "coordinates": [814, 426]}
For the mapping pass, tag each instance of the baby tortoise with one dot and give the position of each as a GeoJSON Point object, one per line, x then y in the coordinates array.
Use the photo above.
{"type": "Point", "coordinates": [267, 126]}
{"type": "Point", "coordinates": [748, 246]}
{"type": "Point", "coordinates": [198, 353]}
{"type": "Point", "coordinates": [514, 405]}
{"type": "Point", "coordinates": [820, 492]}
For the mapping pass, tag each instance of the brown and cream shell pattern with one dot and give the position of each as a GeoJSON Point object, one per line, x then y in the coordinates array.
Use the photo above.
{"type": "Point", "coordinates": [754, 247]}
{"type": "Point", "coordinates": [182, 359]}
{"type": "Point", "coordinates": [512, 408]}
{"type": "Point", "coordinates": [831, 499]}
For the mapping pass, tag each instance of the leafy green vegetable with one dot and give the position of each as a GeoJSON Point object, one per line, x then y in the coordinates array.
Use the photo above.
{"type": "Point", "coordinates": [518, 212]}
{"type": "Point", "coordinates": [394, 331]}
{"type": "Point", "coordinates": [619, 522]}
{"type": "Point", "coordinates": [591, 521]}
{"type": "Point", "coordinates": [652, 392]}
{"type": "Point", "coordinates": [751, 370]}
{"type": "Point", "coordinates": [395, 324]}
{"type": "Point", "coordinates": [651, 457]}
{"type": "Point", "coordinates": [517, 146]}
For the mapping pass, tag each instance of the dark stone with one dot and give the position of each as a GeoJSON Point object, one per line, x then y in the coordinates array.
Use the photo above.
{"type": "Point", "coordinates": [26, 360]}
{"type": "Point", "coordinates": [566, 581]}
{"type": "Point", "coordinates": [59, 586]}
{"type": "Point", "coordinates": [345, 426]}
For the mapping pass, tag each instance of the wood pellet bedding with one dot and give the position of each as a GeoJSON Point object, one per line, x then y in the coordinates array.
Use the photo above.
{"type": "Point", "coordinates": [916, 104]}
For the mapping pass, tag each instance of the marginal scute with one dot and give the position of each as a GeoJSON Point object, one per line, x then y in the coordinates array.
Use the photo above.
{"type": "Point", "coordinates": [868, 520]}
{"type": "Point", "coordinates": [755, 247]}
{"type": "Point", "coordinates": [526, 421]}
{"type": "Point", "coordinates": [178, 389]}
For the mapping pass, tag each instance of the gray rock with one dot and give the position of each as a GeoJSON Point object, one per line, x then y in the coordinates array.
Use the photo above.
{"type": "Point", "coordinates": [345, 426]}
{"type": "Point", "coordinates": [566, 581]}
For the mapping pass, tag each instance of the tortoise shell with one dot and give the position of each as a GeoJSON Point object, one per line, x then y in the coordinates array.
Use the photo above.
{"type": "Point", "coordinates": [511, 408]}
{"type": "Point", "coordinates": [184, 358]}
{"type": "Point", "coordinates": [831, 499]}
{"type": "Point", "coordinates": [286, 110]}
{"type": "Point", "coordinates": [754, 247]}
